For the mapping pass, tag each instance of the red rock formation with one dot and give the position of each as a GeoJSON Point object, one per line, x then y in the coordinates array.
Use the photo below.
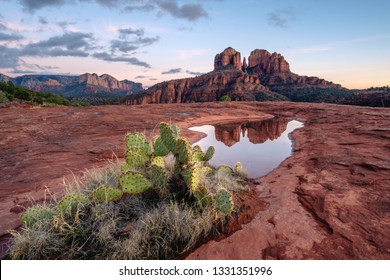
{"type": "Point", "coordinates": [206, 88]}
{"type": "Point", "coordinates": [263, 62]}
{"type": "Point", "coordinates": [228, 57]}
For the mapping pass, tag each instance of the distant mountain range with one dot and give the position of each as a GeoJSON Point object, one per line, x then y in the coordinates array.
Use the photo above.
{"type": "Point", "coordinates": [74, 87]}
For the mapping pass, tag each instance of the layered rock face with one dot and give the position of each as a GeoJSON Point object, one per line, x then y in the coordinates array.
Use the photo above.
{"type": "Point", "coordinates": [262, 62]}
{"type": "Point", "coordinates": [206, 88]}
{"type": "Point", "coordinates": [229, 57]}
{"type": "Point", "coordinates": [75, 85]}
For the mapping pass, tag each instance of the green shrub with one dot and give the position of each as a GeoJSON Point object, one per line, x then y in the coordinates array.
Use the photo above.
{"type": "Point", "coordinates": [225, 98]}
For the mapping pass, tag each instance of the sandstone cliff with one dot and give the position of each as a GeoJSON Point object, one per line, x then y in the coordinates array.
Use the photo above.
{"type": "Point", "coordinates": [229, 57]}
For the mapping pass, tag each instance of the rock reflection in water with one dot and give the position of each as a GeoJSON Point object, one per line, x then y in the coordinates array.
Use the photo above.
{"type": "Point", "coordinates": [260, 146]}
{"type": "Point", "coordinates": [257, 132]}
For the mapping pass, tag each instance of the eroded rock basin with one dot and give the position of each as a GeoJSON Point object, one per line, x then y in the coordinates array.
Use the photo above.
{"type": "Point", "coordinates": [329, 200]}
{"type": "Point", "coordinates": [260, 146]}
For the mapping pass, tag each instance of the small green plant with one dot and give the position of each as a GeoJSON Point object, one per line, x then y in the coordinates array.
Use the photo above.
{"type": "Point", "coordinates": [225, 98]}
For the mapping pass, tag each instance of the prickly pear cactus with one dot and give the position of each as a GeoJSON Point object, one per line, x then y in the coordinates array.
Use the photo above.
{"type": "Point", "coordinates": [160, 149]}
{"type": "Point", "coordinates": [184, 151]}
{"type": "Point", "coordinates": [209, 153]}
{"type": "Point", "coordinates": [223, 201]}
{"type": "Point", "coordinates": [36, 214]}
{"type": "Point", "coordinates": [106, 194]}
{"type": "Point", "coordinates": [134, 183]}
{"type": "Point", "coordinates": [158, 176]}
{"type": "Point", "coordinates": [137, 140]}
{"type": "Point", "coordinates": [71, 203]}
{"type": "Point", "coordinates": [168, 137]}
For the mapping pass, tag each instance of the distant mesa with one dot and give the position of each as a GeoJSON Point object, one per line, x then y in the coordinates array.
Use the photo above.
{"type": "Point", "coordinates": [265, 77]}
{"type": "Point", "coordinates": [257, 132]}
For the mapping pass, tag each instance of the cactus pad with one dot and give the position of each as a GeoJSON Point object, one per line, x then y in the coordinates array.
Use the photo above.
{"type": "Point", "coordinates": [106, 194]}
{"type": "Point", "coordinates": [191, 177]}
{"type": "Point", "coordinates": [71, 203]}
{"type": "Point", "coordinates": [160, 149]}
{"type": "Point", "coordinates": [136, 157]}
{"type": "Point", "coordinates": [167, 136]}
{"type": "Point", "coordinates": [137, 140]}
{"type": "Point", "coordinates": [184, 150]}
{"type": "Point", "coordinates": [158, 176]}
{"type": "Point", "coordinates": [197, 155]}
{"type": "Point", "coordinates": [209, 153]}
{"type": "Point", "coordinates": [224, 169]}
{"type": "Point", "coordinates": [134, 183]}
{"type": "Point", "coordinates": [223, 201]}
{"type": "Point", "coordinates": [36, 214]}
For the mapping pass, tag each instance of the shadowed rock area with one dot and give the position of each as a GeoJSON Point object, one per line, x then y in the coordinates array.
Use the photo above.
{"type": "Point", "coordinates": [329, 200]}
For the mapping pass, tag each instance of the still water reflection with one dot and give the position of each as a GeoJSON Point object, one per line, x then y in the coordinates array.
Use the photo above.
{"type": "Point", "coordinates": [260, 146]}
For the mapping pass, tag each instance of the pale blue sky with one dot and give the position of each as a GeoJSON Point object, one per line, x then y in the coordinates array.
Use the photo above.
{"type": "Point", "coordinates": [149, 41]}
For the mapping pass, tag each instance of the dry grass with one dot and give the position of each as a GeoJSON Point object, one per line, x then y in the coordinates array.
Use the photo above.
{"type": "Point", "coordinates": [142, 226]}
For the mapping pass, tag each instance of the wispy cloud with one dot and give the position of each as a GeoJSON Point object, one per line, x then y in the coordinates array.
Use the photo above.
{"type": "Point", "coordinates": [172, 71]}
{"type": "Point", "coordinates": [282, 18]}
{"type": "Point", "coordinates": [195, 73]}
{"type": "Point", "coordinates": [187, 11]}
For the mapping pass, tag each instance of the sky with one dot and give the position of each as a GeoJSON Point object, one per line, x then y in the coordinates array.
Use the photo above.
{"type": "Point", "coordinates": [150, 41]}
